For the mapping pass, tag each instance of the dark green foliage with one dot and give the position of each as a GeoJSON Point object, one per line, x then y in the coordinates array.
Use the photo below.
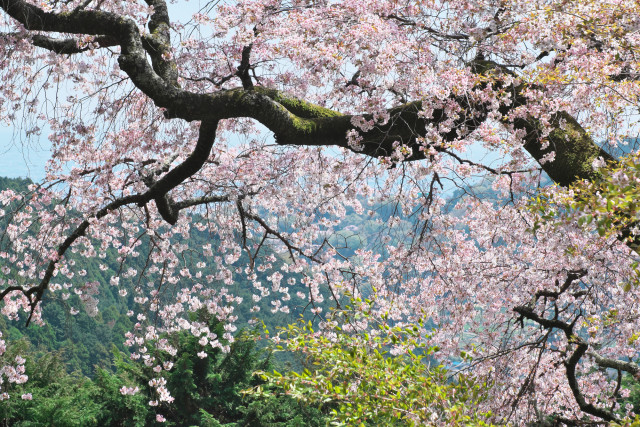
{"type": "Point", "coordinates": [20, 185]}
{"type": "Point", "coordinates": [118, 409]}
{"type": "Point", "coordinates": [59, 398]}
{"type": "Point", "coordinates": [84, 341]}
{"type": "Point", "coordinates": [208, 391]}
{"type": "Point", "coordinates": [631, 384]}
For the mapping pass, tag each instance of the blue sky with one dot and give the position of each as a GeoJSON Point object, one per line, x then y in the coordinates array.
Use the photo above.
{"type": "Point", "coordinates": [27, 160]}
{"type": "Point", "coordinates": [22, 159]}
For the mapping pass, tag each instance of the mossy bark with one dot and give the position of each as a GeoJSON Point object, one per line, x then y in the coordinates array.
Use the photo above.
{"type": "Point", "coordinates": [294, 121]}
{"type": "Point", "coordinates": [574, 149]}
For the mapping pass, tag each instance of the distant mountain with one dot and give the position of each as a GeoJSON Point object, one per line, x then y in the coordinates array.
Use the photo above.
{"type": "Point", "coordinates": [16, 184]}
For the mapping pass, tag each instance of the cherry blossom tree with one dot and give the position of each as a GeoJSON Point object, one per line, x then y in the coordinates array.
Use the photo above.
{"type": "Point", "coordinates": [267, 123]}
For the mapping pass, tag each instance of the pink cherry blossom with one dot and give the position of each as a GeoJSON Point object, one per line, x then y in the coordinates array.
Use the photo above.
{"type": "Point", "coordinates": [319, 146]}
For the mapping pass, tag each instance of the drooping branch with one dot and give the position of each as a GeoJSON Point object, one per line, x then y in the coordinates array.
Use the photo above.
{"type": "Point", "coordinates": [570, 366]}
{"type": "Point", "coordinates": [269, 230]}
{"type": "Point", "coordinates": [582, 347]}
{"type": "Point", "coordinates": [573, 360]}
{"type": "Point", "coordinates": [192, 164]}
{"type": "Point", "coordinates": [158, 192]}
{"type": "Point", "coordinates": [35, 293]}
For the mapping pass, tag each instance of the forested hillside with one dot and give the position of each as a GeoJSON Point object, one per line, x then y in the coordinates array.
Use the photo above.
{"type": "Point", "coordinates": [80, 373]}
{"type": "Point", "coordinates": [83, 342]}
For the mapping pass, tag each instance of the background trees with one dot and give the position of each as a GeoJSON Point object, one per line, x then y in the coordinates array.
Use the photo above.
{"type": "Point", "coordinates": [208, 391]}
{"type": "Point", "coordinates": [368, 106]}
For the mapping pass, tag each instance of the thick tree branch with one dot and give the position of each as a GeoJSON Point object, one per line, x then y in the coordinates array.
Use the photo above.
{"type": "Point", "coordinates": [245, 66]}
{"type": "Point", "coordinates": [586, 407]}
{"type": "Point", "coordinates": [572, 276]}
{"type": "Point", "coordinates": [619, 365]}
{"type": "Point", "coordinates": [66, 46]}
{"type": "Point", "coordinates": [572, 362]}
{"type": "Point", "coordinates": [298, 122]}
{"type": "Point", "coordinates": [529, 313]}
{"type": "Point", "coordinates": [292, 121]}
{"type": "Point", "coordinates": [158, 44]}
{"type": "Point", "coordinates": [574, 149]}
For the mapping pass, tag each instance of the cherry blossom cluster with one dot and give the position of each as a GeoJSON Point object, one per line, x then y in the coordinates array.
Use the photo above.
{"type": "Point", "coordinates": [11, 372]}
{"type": "Point", "coordinates": [497, 86]}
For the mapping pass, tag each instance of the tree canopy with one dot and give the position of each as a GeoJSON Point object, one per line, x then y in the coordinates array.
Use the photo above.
{"type": "Point", "coordinates": [272, 124]}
